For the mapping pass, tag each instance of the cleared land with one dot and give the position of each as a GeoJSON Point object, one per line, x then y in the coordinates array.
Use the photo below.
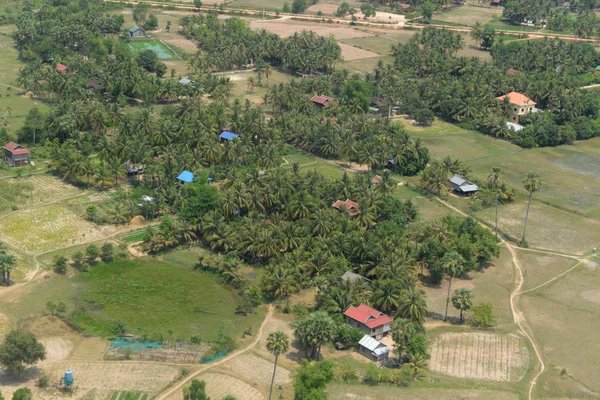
{"type": "Point", "coordinates": [257, 369]}
{"type": "Point", "coordinates": [47, 228]}
{"type": "Point", "coordinates": [565, 318]}
{"type": "Point", "coordinates": [350, 53]}
{"type": "Point", "coordinates": [287, 28]}
{"type": "Point", "coordinates": [479, 356]}
{"type": "Point", "coordinates": [344, 391]}
{"type": "Point", "coordinates": [220, 385]}
{"type": "Point", "coordinates": [162, 51]}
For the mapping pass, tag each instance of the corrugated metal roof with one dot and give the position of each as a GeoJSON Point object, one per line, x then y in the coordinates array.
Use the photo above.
{"type": "Point", "coordinates": [228, 135]}
{"type": "Point", "coordinates": [469, 188]}
{"type": "Point", "coordinates": [369, 343]}
{"type": "Point", "coordinates": [186, 176]}
{"type": "Point", "coordinates": [457, 180]}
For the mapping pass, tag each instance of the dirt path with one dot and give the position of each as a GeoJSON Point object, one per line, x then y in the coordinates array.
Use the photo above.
{"type": "Point", "coordinates": [518, 316]}
{"type": "Point", "coordinates": [250, 346]}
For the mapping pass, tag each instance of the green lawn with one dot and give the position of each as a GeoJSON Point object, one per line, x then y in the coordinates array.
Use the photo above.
{"type": "Point", "coordinates": [377, 44]}
{"type": "Point", "coordinates": [469, 15]}
{"type": "Point", "coordinates": [162, 51]}
{"type": "Point", "coordinates": [151, 296]}
{"type": "Point", "coordinates": [365, 64]}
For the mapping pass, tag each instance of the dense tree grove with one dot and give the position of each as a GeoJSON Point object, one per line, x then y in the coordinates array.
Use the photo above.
{"type": "Point", "coordinates": [428, 75]}
{"type": "Point", "coordinates": [231, 44]}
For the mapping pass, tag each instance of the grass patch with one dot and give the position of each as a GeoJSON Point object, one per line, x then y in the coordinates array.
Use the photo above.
{"type": "Point", "coordinates": [151, 296]}
{"type": "Point", "coordinates": [46, 228]}
{"type": "Point", "coordinates": [428, 208]}
{"type": "Point", "coordinates": [133, 236]}
{"type": "Point", "coordinates": [540, 268]}
{"type": "Point", "coordinates": [162, 51]}
{"type": "Point", "coordinates": [365, 64]}
{"type": "Point", "coordinates": [376, 44]}
{"type": "Point", "coordinates": [565, 318]}
{"type": "Point", "coordinates": [468, 15]}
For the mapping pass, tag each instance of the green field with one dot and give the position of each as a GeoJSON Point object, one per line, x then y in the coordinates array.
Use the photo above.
{"type": "Point", "coordinates": [151, 296]}
{"type": "Point", "coordinates": [469, 15]}
{"type": "Point", "coordinates": [565, 214]}
{"type": "Point", "coordinates": [132, 396]}
{"type": "Point", "coordinates": [161, 50]}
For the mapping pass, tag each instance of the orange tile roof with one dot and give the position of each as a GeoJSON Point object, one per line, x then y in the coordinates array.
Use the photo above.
{"type": "Point", "coordinates": [517, 99]}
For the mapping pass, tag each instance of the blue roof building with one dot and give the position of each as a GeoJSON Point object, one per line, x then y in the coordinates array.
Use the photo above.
{"type": "Point", "coordinates": [185, 177]}
{"type": "Point", "coordinates": [228, 135]}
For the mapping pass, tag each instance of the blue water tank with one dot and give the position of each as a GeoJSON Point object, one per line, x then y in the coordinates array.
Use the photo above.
{"type": "Point", "coordinates": [68, 377]}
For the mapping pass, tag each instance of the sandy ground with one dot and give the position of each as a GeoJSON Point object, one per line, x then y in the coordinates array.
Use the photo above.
{"type": "Point", "coordinates": [350, 53]}
{"type": "Point", "coordinates": [328, 9]}
{"type": "Point", "coordinates": [184, 44]}
{"type": "Point", "coordinates": [479, 356]}
{"type": "Point", "coordinates": [255, 369]}
{"type": "Point", "coordinates": [592, 295]}
{"type": "Point", "coordinates": [131, 376]}
{"type": "Point", "coordinates": [57, 349]}
{"type": "Point", "coordinates": [383, 17]}
{"type": "Point", "coordinates": [275, 324]}
{"type": "Point", "coordinates": [287, 28]}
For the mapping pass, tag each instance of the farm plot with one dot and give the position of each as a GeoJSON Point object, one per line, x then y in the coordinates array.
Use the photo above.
{"type": "Point", "coordinates": [480, 356]}
{"type": "Point", "coordinates": [275, 324]}
{"type": "Point", "coordinates": [468, 15]}
{"type": "Point", "coordinates": [345, 391]}
{"type": "Point", "coordinates": [114, 376]}
{"type": "Point", "coordinates": [221, 385]}
{"type": "Point", "coordinates": [256, 369]}
{"type": "Point", "coordinates": [287, 28]}
{"type": "Point", "coordinates": [46, 228]}
{"type": "Point", "coordinates": [350, 53]}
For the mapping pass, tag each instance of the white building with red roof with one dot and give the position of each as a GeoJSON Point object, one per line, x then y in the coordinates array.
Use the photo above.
{"type": "Point", "coordinates": [16, 155]}
{"type": "Point", "coordinates": [519, 105]}
{"type": "Point", "coordinates": [374, 323]}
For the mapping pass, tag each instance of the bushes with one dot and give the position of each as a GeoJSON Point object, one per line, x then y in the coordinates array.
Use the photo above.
{"type": "Point", "coordinates": [482, 316]}
{"type": "Point", "coordinates": [399, 377]}
{"type": "Point", "coordinates": [347, 335]}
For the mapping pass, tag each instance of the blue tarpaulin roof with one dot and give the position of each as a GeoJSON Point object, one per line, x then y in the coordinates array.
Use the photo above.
{"type": "Point", "coordinates": [228, 135]}
{"type": "Point", "coordinates": [186, 176]}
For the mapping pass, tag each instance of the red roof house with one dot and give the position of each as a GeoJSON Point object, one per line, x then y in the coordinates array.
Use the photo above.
{"type": "Point", "coordinates": [15, 155]}
{"type": "Point", "coordinates": [323, 101]}
{"type": "Point", "coordinates": [61, 68]}
{"type": "Point", "coordinates": [512, 71]}
{"type": "Point", "coordinates": [373, 322]}
{"type": "Point", "coordinates": [351, 206]}
{"type": "Point", "coordinates": [405, 6]}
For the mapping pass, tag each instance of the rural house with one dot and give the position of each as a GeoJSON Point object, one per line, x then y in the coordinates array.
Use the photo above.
{"type": "Point", "coordinates": [351, 277]}
{"type": "Point", "coordinates": [61, 68]}
{"type": "Point", "coordinates": [519, 105]}
{"type": "Point", "coordinates": [136, 32]}
{"type": "Point", "coordinates": [351, 207]}
{"type": "Point", "coordinates": [324, 101]}
{"type": "Point", "coordinates": [371, 321]}
{"type": "Point", "coordinates": [16, 155]}
{"type": "Point", "coordinates": [373, 349]}
{"type": "Point", "coordinates": [226, 135]}
{"type": "Point", "coordinates": [462, 186]}
{"type": "Point", "coordinates": [185, 177]}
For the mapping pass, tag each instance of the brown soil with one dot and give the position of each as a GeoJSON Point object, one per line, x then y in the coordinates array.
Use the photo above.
{"type": "Point", "coordinates": [184, 44]}
{"type": "Point", "coordinates": [479, 356]}
{"type": "Point", "coordinates": [592, 295]}
{"type": "Point", "coordinates": [288, 27]}
{"type": "Point", "coordinates": [255, 369]}
{"type": "Point", "coordinates": [350, 53]}
{"type": "Point", "coordinates": [57, 349]}
{"type": "Point", "coordinates": [324, 8]}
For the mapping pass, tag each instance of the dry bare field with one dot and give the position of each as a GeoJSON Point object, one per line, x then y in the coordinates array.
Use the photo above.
{"type": "Point", "coordinates": [57, 349]}
{"type": "Point", "coordinates": [325, 8]}
{"type": "Point", "coordinates": [45, 188]}
{"type": "Point", "coordinates": [350, 53]}
{"type": "Point", "coordinates": [221, 385]}
{"type": "Point", "coordinates": [287, 28]}
{"type": "Point", "coordinates": [479, 356]}
{"type": "Point", "coordinates": [257, 369]}
{"type": "Point", "coordinates": [275, 324]}
{"type": "Point", "coordinates": [136, 377]}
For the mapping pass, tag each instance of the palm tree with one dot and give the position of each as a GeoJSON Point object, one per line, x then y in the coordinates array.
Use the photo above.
{"type": "Point", "coordinates": [531, 183]}
{"type": "Point", "coordinates": [277, 343]}
{"type": "Point", "coordinates": [462, 300]}
{"type": "Point", "coordinates": [417, 365]}
{"type": "Point", "coordinates": [494, 183]}
{"type": "Point", "coordinates": [413, 305]}
{"type": "Point", "coordinates": [386, 295]}
{"type": "Point", "coordinates": [453, 264]}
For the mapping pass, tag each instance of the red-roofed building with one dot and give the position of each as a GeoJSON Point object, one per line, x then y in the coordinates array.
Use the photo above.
{"type": "Point", "coordinates": [512, 71]}
{"type": "Point", "coordinates": [375, 323]}
{"type": "Point", "coordinates": [519, 105]}
{"type": "Point", "coordinates": [324, 101]}
{"type": "Point", "coordinates": [16, 155]}
{"type": "Point", "coordinates": [405, 6]}
{"type": "Point", "coordinates": [61, 68]}
{"type": "Point", "coordinates": [351, 207]}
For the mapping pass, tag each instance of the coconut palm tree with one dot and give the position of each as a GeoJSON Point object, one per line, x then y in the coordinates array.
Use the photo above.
{"type": "Point", "coordinates": [453, 264]}
{"type": "Point", "coordinates": [494, 182]}
{"type": "Point", "coordinates": [413, 305]}
{"type": "Point", "coordinates": [277, 343]}
{"type": "Point", "coordinates": [531, 183]}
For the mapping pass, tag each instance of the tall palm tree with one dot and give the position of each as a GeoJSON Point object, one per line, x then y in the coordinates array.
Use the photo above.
{"type": "Point", "coordinates": [453, 264]}
{"type": "Point", "coordinates": [413, 305]}
{"type": "Point", "coordinates": [494, 182]}
{"type": "Point", "coordinates": [277, 343]}
{"type": "Point", "coordinates": [531, 183]}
